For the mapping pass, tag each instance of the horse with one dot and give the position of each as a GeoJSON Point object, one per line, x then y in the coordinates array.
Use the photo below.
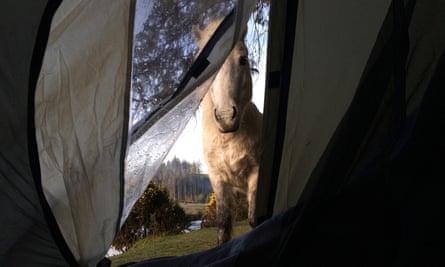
{"type": "Point", "coordinates": [231, 133]}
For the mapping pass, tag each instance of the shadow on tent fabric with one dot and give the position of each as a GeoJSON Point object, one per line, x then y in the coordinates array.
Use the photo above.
{"type": "Point", "coordinates": [418, 181]}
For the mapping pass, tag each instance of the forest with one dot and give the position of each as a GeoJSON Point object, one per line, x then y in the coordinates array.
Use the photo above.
{"type": "Point", "coordinates": [184, 181]}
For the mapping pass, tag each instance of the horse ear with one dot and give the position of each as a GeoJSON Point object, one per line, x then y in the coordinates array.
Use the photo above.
{"type": "Point", "coordinates": [197, 32]}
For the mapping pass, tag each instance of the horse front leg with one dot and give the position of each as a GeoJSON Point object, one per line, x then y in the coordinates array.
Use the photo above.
{"type": "Point", "coordinates": [252, 183]}
{"type": "Point", "coordinates": [224, 212]}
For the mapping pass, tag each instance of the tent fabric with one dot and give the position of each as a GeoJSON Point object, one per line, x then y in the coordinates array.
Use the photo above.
{"type": "Point", "coordinates": [279, 64]}
{"type": "Point", "coordinates": [81, 121]}
{"type": "Point", "coordinates": [328, 58]}
{"type": "Point", "coordinates": [354, 205]}
{"type": "Point", "coordinates": [418, 180]}
{"type": "Point", "coordinates": [389, 88]}
{"type": "Point", "coordinates": [25, 234]}
{"type": "Point", "coordinates": [373, 121]}
{"type": "Point", "coordinates": [351, 175]}
{"type": "Point", "coordinates": [318, 104]}
{"type": "Point", "coordinates": [330, 54]}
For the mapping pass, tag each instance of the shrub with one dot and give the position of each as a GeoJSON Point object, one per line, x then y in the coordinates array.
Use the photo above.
{"type": "Point", "coordinates": [154, 213]}
{"type": "Point", "coordinates": [209, 218]}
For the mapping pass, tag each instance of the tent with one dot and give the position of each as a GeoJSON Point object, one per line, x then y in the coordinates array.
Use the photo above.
{"type": "Point", "coordinates": [351, 170]}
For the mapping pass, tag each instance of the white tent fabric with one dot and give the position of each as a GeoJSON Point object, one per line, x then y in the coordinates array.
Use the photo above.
{"type": "Point", "coordinates": [81, 121]}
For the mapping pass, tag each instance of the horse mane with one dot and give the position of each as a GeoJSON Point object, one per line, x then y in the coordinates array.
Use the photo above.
{"type": "Point", "coordinates": [203, 35]}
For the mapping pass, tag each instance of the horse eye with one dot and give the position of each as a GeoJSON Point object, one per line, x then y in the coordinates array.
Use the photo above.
{"type": "Point", "coordinates": [243, 60]}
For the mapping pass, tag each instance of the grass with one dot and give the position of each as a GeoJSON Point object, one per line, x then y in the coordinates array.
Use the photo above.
{"type": "Point", "coordinates": [175, 245]}
{"type": "Point", "coordinates": [193, 208]}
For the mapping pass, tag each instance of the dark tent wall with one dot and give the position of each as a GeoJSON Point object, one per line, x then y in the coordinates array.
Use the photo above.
{"type": "Point", "coordinates": [373, 196]}
{"type": "Point", "coordinates": [335, 47]}
{"type": "Point", "coordinates": [426, 43]}
{"type": "Point", "coordinates": [25, 235]}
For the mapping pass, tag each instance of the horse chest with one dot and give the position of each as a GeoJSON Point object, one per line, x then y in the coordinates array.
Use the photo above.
{"type": "Point", "coordinates": [231, 160]}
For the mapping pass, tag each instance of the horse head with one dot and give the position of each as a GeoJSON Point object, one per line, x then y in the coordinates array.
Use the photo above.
{"type": "Point", "coordinates": [231, 89]}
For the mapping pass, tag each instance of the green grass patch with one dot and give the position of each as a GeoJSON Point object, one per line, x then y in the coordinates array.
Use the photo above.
{"type": "Point", "coordinates": [175, 245]}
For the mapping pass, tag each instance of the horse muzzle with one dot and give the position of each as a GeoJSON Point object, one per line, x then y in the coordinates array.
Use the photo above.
{"type": "Point", "coordinates": [227, 120]}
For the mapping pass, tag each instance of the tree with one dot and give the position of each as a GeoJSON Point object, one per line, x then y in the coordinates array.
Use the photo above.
{"type": "Point", "coordinates": [154, 213]}
{"type": "Point", "coordinates": [184, 180]}
{"type": "Point", "coordinates": [257, 43]}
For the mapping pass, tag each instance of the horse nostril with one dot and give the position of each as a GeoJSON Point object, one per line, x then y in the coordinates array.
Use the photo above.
{"type": "Point", "coordinates": [234, 113]}
{"type": "Point", "coordinates": [215, 114]}
{"type": "Point", "coordinates": [242, 60]}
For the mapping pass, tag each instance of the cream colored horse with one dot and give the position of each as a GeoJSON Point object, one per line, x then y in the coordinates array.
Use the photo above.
{"type": "Point", "coordinates": [232, 133]}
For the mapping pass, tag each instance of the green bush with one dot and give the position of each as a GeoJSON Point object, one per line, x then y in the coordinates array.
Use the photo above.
{"type": "Point", "coordinates": [209, 218]}
{"type": "Point", "coordinates": [153, 214]}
